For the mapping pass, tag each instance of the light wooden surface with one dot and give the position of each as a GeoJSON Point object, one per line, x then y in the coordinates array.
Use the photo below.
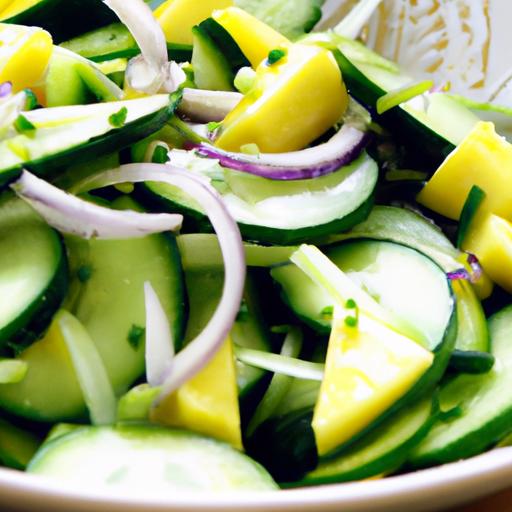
{"type": "Point", "coordinates": [501, 502]}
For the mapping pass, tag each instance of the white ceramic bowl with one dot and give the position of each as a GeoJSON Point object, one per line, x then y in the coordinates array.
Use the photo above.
{"type": "Point", "coordinates": [431, 489]}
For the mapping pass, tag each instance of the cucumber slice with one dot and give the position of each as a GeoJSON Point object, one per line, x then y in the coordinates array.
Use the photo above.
{"type": "Point", "coordinates": [17, 446]}
{"type": "Point", "coordinates": [146, 459]}
{"type": "Point", "coordinates": [292, 19]}
{"type": "Point", "coordinates": [204, 287]}
{"type": "Point", "coordinates": [381, 452]}
{"type": "Point", "coordinates": [33, 275]}
{"type": "Point", "coordinates": [62, 18]}
{"type": "Point", "coordinates": [395, 275]}
{"type": "Point", "coordinates": [212, 70]}
{"type": "Point", "coordinates": [410, 229]}
{"type": "Point", "coordinates": [274, 212]}
{"type": "Point", "coordinates": [65, 135]}
{"type": "Point", "coordinates": [116, 42]}
{"type": "Point", "coordinates": [484, 402]}
{"type": "Point", "coordinates": [107, 296]}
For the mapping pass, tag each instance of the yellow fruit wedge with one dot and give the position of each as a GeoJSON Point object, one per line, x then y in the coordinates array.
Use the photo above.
{"type": "Point", "coordinates": [483, 158]}
{"type": "Point", "coordinates": [24, 55]}
{"type": "Point", "coordinates": [177, 17]}
{"type": "Point", "coordinates": [254, 38]}
{"type": "Point", "coordinates": [490, 238]}
{"type": "Point", "coordinates": [293, 102]}
{"type": "Point", "coordinates": [368, 368]}
{"type": "Point", "coordinates": [208, 403]}
{"type": "Point", "coordinates": [11, 8]}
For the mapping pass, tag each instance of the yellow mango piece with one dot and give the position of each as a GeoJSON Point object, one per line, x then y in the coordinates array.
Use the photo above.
{"type": "Point", "coordinates": [13, 7]}
{"type": "Point", "coordinates": [490, 238]}
{"type": "Point", "coordinates": [208, 403]}
{"type": "Point", "coordinates": [293, 102]}
{"type": "Point", "coordinates": [368, 368]}
{"type": "Point", "coordinates": [24, 55]}
{"type": "Point", "coordinates": [177, 17]}
{"type": "Point", "coordinates": [254, 38]}
{"type": "Point", "coordinates": [4, 4]}
{"type": "Point", "coordinates": [484, 159]}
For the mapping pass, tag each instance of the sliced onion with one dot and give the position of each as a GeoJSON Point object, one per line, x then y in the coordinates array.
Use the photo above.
{"type": "Point", "coordinates": [74, 216]}
{"type": "Point", "coordinates": [459, 274]}
{"type": "Point", "coordinates": [5, 89]}
{"type": "Point", "coordinates": [149, 72]}
{"type": "Point", "coordinates": [340, 150]}
{"type": "Point", "coordinates": [206, 106]}
{"type": "Point", "coordinates": [199, 351]}
{"type": "Point", "coordinates": [159, 342]}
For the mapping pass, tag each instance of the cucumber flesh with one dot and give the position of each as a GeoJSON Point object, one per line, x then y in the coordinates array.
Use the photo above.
{"type": "Point", "coordinates": [484, 401]}
{"type": "Point", "coordinates": [212, 71]}
{"type": "Point", "coordinates": [64, 135]}
{"type": "Point", "coordinates": [278, 212]}
{"type": "Point", "coordinates": [395, 275]}
{"type": "Point", "coordinates": [17, 446]}
{"type": "Point", "coordinates": [381, 452]}
{"type": "Point", "coordinates": [33, 275]}
{"type": "Point", "coordinates": [107, 296]}
{"type": "Point", "coordinates": [145, 459]}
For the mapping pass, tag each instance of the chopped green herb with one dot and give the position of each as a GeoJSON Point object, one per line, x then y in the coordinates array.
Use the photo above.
{"type": "Point", "coordinates": [118, 120]}
{"type": "Point", "coordinates": [351, 304]}
{"type": "Point", "coordinates": [394, 98]}
{"type": "Point", "coordinates": [23, 126]}
{"type": "Point", "coordinates": [473, 202]}
{"type": "Point", "coordinates": [327, 312]}
{"type": "Point", "coordinates": [351, 321]}
{"type": "Point", "coordinates": [84, 273]}
{"type": "Point", "coordinates": [160, 155]}
{"type": "Point", "coordinates": [31, 102]}
{"type": "Point", "coordinates": [135, 336]}
{"type": "Point", "coordinates": [213, 125]}
{"type": "Point", "coordinates": [275, 55]}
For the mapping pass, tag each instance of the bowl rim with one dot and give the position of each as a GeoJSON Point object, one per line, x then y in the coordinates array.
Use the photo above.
{"type": "Point", "coordinates": [487, 473]}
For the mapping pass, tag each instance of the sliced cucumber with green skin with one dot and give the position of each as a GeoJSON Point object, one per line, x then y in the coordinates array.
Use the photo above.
{"type": "Point", "coordinates": [204, 287]}
{"type": "Point", "coordinates": [116, 42]}
{"type": "Point", "coordinates": [33, 273]}
{"type": "Point", "coordinates": [17, 446]}
{"type": "Point", "coordinates": [147, 459]}
{"type": "Point", "coordinates": [401, 279]}
{"type": "Point", "coordinates": [411, 229]}
{"type": "Point", "coordinates": [65, 135]}
{"type": "Point", "coordinates": [62, 18]}
{"type": "Point", "coordinates": [212, 71]}
{"type": "Point", "coordinates": [381, 452]}
{"type": "Point", "coordinates": [433, 126]}
{"type": "Point", "coordinates": [274, 212]}
{"type": "Point", "coordinates": [484, 403]}
{"type": "Point", "coordinates": [107, 296]}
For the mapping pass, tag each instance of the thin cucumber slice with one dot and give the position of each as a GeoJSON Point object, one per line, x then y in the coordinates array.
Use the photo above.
{"type": "Point", "coordinates": [381, 452]}
{"type": "Point", "coordinates": [395, 275]}
{"type": "Point", "coordinates": [409, 228]}
{"type": "Point", "coordinates": [33, 273]}
{"type": "Point", "coordinates": [65, 135]}
{"type": "Point", "coordinates": [212, 70]}
{"type": "Point", "coordinates": [107, 296]}
{"type": "Point", "coordinates": [484, 402]}
{"type": "Point", "coordinates": [17, 446]}
{"type": "Point", "coordinates": [204, 287]}
{"type": "Point", "coordinates": [116, 42]}
{"type": "Point", "coordinates": [274, 212]}
{"type": "Point", "coordinates": [146, 459]}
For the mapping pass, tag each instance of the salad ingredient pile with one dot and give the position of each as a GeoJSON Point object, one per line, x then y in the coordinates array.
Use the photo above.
{"type": "Point", "coordinates": [240, 255]}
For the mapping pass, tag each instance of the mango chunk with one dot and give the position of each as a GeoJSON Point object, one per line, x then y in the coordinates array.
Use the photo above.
{"type": "Point", "coordinates": [490, 239]}
{"type": "Point", "coordinates": [208, 403]}
{"type": "Point", "coordinates": [254, 38]}
{"type": "Point", "coordinates": [177, 17]}
{"type": "Point", "coordinates": [368, 368]}
{"type": "Point", "coordinates": [11, 8]}
{"type": "Point", "coordinates": [294, 101]}
{"type": "Point", "coordinates": [24, 55]}
{"type": "Point", "coordinates": [484, 159]}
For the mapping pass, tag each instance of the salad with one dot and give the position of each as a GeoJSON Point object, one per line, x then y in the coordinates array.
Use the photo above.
{"type": "Point", "coordinates": [241, 255]}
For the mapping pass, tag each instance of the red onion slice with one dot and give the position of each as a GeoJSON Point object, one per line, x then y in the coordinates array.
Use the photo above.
{"type": "Point", "coordinates": [159, 342]}
{"type": "Point", "coordinates": [206, 106]}
{"type": "Point", "coordinates": [74, 216]}
{"type": "Point", "coordinates": [199, 351]}
{"type": "Point", "coordinates": [340, 150]}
